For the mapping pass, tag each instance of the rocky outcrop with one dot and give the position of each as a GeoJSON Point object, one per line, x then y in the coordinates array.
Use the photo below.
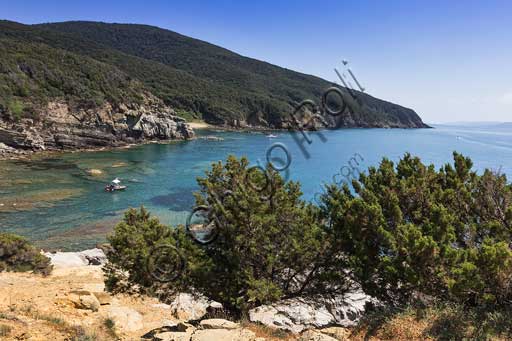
{"type": "Point", "coordinates": [74, 259]}
{"type": "Point", "coordinates": [63, 127]}
{"type": "Point", "coordinates": [186, 306]}
{"type": "Point", "coordinates": [298, 314]}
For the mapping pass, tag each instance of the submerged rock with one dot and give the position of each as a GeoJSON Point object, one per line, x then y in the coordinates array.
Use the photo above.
{"type": "Point", "coordinates": [94, 172]}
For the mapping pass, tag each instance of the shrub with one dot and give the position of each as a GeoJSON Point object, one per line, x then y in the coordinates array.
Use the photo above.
{"type": "Point", "coordinates": [132, 249]}
{"type": "Point", "coordinates": [269, 243]}
{"type": "Point", "coordinates": [17, 254]}
{"type": "Point", "coordinates": [413, 232]}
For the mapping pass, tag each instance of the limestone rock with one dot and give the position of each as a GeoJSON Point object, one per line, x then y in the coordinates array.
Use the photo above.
{"type": "Point", "coordinates": [162, 126]}
{"type": "Point", "coordinates": [76, 259]}
{"type": "Point", "coordinates": [63, 127]}
{"type": "Point", "coordinates": [190, 307]}
{"type": "Point", "coordinates": [126, 319]}
{"type": "Point", "coordinates": [223, 335]}
{"type": "Point", "coordinates": [298, 314]}
{"type": "Point", "coordinates": [218, 324]}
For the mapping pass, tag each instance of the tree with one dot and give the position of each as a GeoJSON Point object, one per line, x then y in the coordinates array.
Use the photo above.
{"type": "Point", "coordinates": [269, 244]}
{"type": "Point", "coordinates": [410, 231]}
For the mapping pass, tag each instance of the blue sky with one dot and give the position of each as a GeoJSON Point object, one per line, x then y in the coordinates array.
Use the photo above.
{"type": "Point", "coordinates": [448, 60]}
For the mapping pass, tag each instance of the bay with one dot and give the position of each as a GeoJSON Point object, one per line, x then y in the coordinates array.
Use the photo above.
{"type": "Point", "coordinates": [55, 202]}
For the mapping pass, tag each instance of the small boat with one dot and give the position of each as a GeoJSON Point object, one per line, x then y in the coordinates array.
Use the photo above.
{"type": "Point", "coordinates": [115, 185]}
{"type": "Point", "coordinates": [272, 136]}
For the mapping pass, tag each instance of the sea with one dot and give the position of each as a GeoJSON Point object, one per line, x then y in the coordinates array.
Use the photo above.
{"type": "Point", "coordinates": [58, 203]}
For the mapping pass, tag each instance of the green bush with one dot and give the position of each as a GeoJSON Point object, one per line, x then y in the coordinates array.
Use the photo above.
{"type": "Point", "coordinates": [132, 248]}
{"type": "Point", "coordinates": [17, 254]}
{"type": "Point", "coordinates": [269, 243]}
{"type": "Point", "coordinates": [411, 232]}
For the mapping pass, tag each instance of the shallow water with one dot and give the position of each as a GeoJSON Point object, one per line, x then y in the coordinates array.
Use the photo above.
{"type": "Point", "coordinates": [55, 202]}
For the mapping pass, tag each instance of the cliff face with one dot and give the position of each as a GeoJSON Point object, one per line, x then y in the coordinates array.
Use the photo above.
{"type": "Point", "coordinates": [61, 127]}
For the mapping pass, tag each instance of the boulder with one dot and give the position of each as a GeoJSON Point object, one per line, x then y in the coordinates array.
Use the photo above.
{"type": "Point", "coordinates": [89, 302]}
{"type": "Point", "coordinates": [76, 259]}
{"type": "Point", "coordinates": [94, 256]}
{"type": "Point", "coordinates": [103, 297]}
{"type": "Point", "coordinates": [298, 314]}
{"type": "Point", "coordinates": [81, 299]}
{"type": "Point", "coordinates": [191, 307]}
{"type": "Point", "coordinates": [162, 126]}
{"type": "Point", "coordinates": [218, 324]}
{"type": "Point", "coordinates": [126, 319]}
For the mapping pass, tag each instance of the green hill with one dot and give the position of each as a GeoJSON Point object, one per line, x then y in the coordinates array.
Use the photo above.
{"type": "Point", "coordinates": [88, 63]}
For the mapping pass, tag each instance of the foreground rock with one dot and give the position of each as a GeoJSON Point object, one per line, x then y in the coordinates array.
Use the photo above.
{"type": "Point", "coordinates": [218, 324]}
{"type": "Point", "coordinates": [76, 259]}
{"type": "Point", "coordinates": [297, 314]}
{"type": "Point", "coordinates": [192, 307]}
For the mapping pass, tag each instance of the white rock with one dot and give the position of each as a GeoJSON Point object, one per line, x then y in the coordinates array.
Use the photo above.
{"type": "Point", "coordinates": [218, 324]}
{"type": "Point", "coordinates": [126, 319]}
{"type": "Point", "coordinates": [66, 259]}
{"type": "Point", "coordinates": [77, 259]}
{"type": "Point", "coordinates": [190, 307]}
{"type": "Point", "coordinates": [298, 314]}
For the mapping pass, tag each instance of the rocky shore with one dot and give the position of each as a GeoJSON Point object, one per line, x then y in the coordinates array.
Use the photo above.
{"type": "Point", "coordinates": [64, 128]}
{"type": "Point", "coordinates": [74, 296]}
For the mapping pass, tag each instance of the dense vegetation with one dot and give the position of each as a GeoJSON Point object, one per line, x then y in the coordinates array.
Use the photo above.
{"type": "Point", "coordinates": [268, 243]}
{"type": "Point", "coordinates": [407, 233]}
{"type": "Point", "coordinates": [411, 232]}
{"type": "Point", "coordinates": [32, 73]}
{"type": "Point", "coordinates": [196, 78]}
{"type": "Point", "coordinates": [17, 254]}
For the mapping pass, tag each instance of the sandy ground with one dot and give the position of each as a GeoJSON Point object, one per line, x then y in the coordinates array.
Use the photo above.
{"type": "Point", "coordinates": [37, 308]}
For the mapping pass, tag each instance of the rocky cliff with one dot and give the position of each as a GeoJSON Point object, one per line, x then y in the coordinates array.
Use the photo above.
{"type": "Point", "coordinates": [62, 127]}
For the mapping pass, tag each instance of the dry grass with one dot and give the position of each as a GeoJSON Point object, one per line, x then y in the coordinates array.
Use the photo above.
{"type": "Point", "coordinates": [448, 322]}
{"type": "Point", "coordinates": [268, 333]}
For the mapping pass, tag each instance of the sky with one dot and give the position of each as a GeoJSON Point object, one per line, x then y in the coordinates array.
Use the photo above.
{"type": "Point", "coordinates": [450, 61]}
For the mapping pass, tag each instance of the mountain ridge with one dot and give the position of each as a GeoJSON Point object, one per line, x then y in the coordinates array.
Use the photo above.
{"type": "Point", "coordinates": [89, 65]}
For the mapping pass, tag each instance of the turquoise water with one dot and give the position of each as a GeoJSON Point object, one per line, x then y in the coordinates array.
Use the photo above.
{"type": "Point", "coordinates": [55, 202]}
